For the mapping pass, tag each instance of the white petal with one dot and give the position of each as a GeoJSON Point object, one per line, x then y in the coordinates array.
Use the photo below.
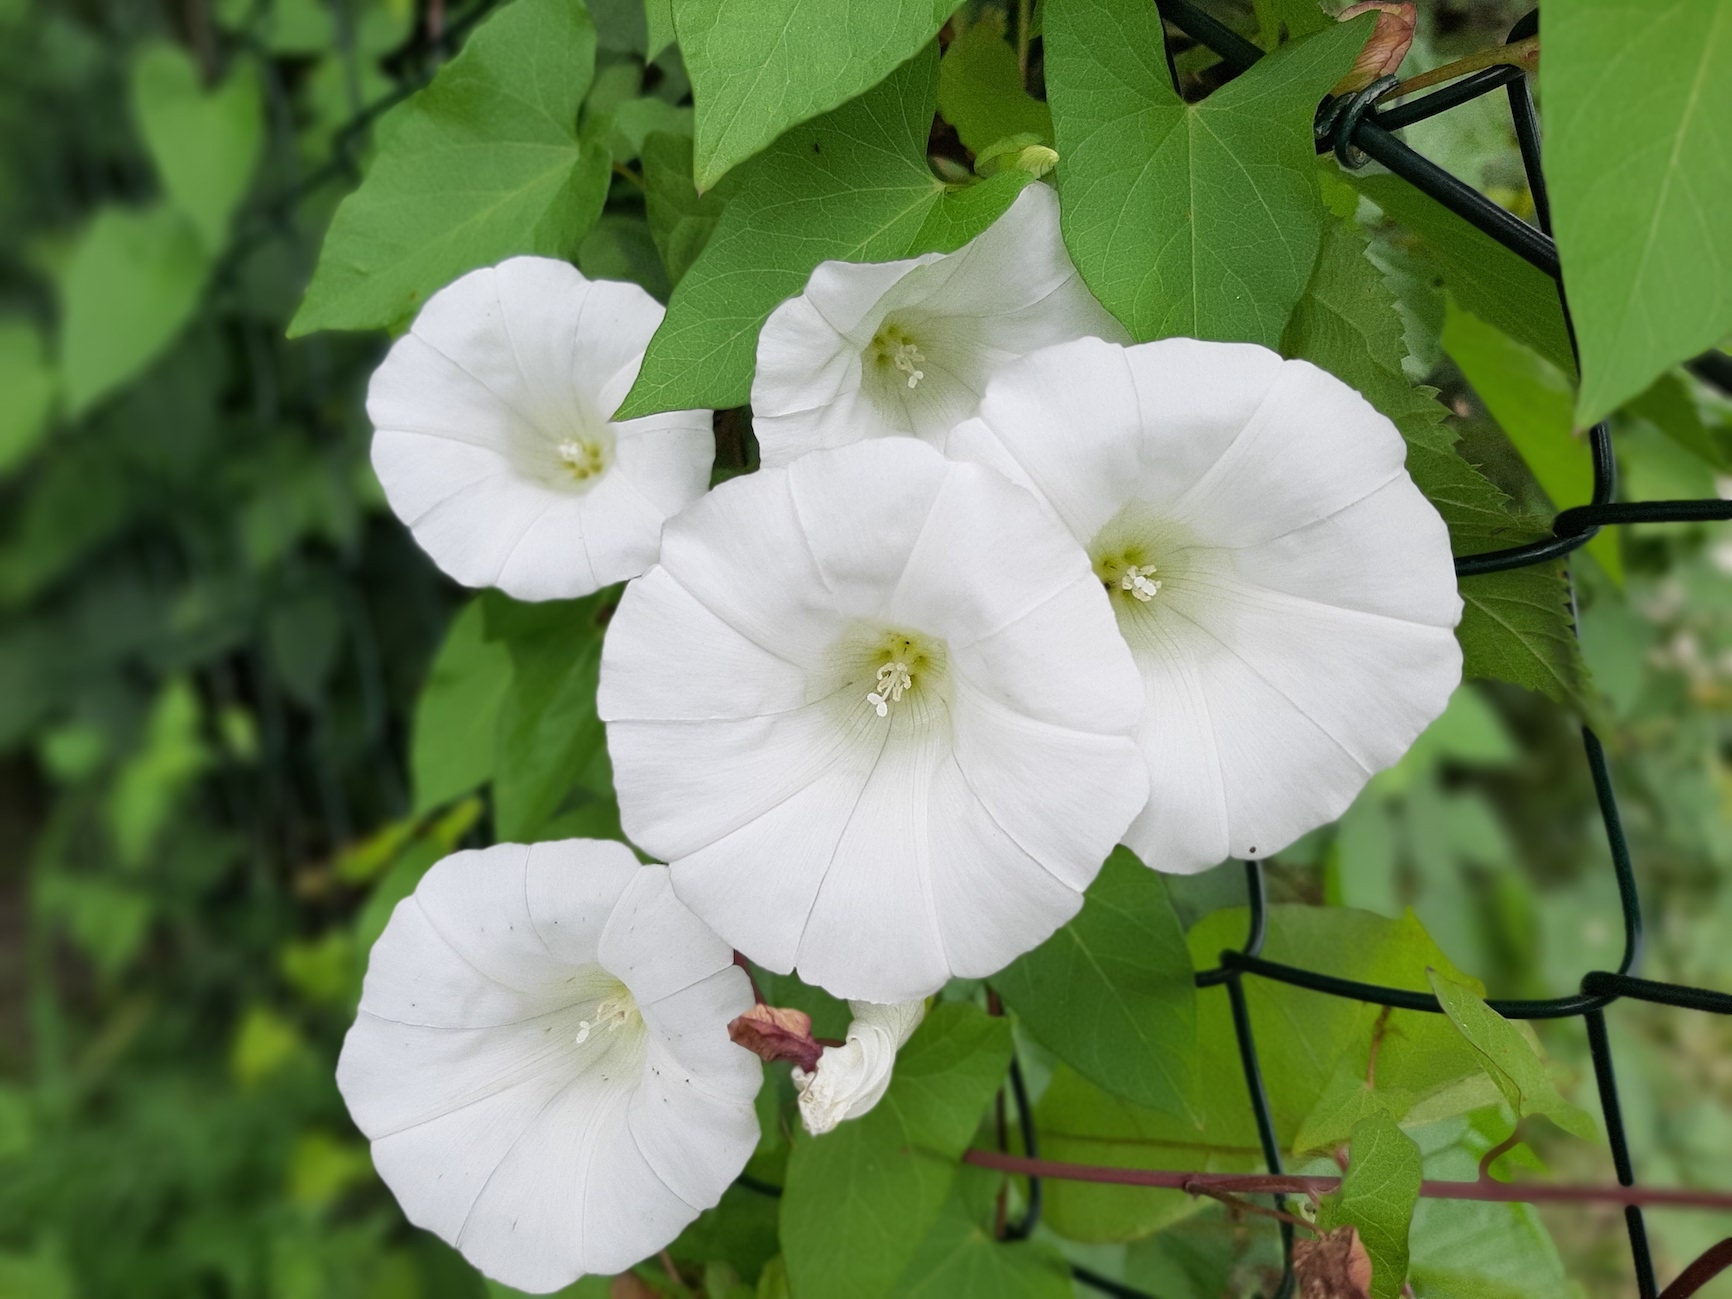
{"type": "Point", "coordinates": [505, 1118]}
{"type": "Point", "coordinates": [1008, 292]}
{"type": "Point", "coordinates": [1301, 636]}
{"type": "Point", "coordinates": [722, 673]}
{"type": "Point", "coordinates": [740, 549]}
{"type": "Point", "coordinates": [471, 408]}
{"type": "Point", "coordinates": [993, 900]}
{"type": "Point", "coordinates": [807, 380]}
{"type": "Point", "coordinates": [807, 831]}
{"type": "Point", "coordinates": [871, 929]}
{"type": "Point", "coordinates": [850, 1079]}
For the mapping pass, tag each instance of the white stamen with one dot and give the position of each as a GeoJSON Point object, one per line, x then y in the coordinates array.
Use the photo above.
{"type": "Point", "coordinates": [905, 356]}
{"type": "Point", "coordinates": [893, 678]}
{"type": "Point", "coordinates": [610, 1014]}
{"type": "Point", "coordinates": [1136, 581]}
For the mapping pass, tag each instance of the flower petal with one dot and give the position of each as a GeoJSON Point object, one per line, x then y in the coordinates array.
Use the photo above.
{"type": "Point", "coordinates": [802, 827]}
{"type": "Point", "coordinates": [483, 409]}
{"type": "Point", "coordinates": [1300, 635]}
{"type": "Point", "coordinates": [540, 1137]}
{"type": "Point", "coordinates": [1009, 291]}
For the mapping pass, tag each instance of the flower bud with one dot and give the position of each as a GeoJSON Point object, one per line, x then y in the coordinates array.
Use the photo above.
{"type": "Point", "coordinates": [851, 1078]}
{"type": "Point", "coordinates": [1388, 45]}
{"type": "Point", "coordinates": [1024, 152]}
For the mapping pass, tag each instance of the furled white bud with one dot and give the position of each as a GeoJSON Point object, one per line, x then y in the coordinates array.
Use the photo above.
{"type": "Point", "coordinates": [850, 1079]}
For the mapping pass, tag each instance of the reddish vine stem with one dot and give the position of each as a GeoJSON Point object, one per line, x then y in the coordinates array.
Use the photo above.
{"type": "Point", "coordinates": [1252, 1183]}
{"type": "Point", "coordinates": [1713, 1261]}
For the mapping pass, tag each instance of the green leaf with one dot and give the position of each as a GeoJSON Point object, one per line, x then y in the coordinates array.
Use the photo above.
{"type": "Point", "coordinates": [551, 745]}
{"type": "Point", "coordinates": [483, 164]}
{"type": "Point", "coordinates": [659, 21]}
{"type": "Point", "coordinates": [205, 143]}
{"type": "Point", "coordinates": [859, 1201]}
{"type": "Point", "coordinates": [680, 219]}
{"type": "Point", "coordinates": [1485, 277]}
{"type": "Point", "coordinates": [1513, 1063]}
{"type": "Point", "coordinates": [980, 90]}
{"type": "Point", "coordinates": [1112, 992]}
{"type": "Point", "coordinates": [132, 281]}
{"type": "Point", "coordinates": [1194, 219]}
{"type": "Point", "coordinates": [960, 1259]}
{"type": "Point", "coordinates": [1081, 1123]}
{"type": "Point", "coordinates": [1303, 1039]}
{"type": "Point", "coordinates": [761, 66]}
{"type": "Point", "coordinates": [632, 122]}
{"type": "Point", "coordinates": [150, 786]}
{"type": "Point", "coordinates": [1377, 1196]}
{"type": "Point", "coordinates": [1668, 406]}
{"type": "Point", "coordinates": [1641, 184]}
{"type": "Point", "coordinates": [457, 713]}
{"type": "Point", "coordinates": [852, 185]}
{"type": "Point", "coordinates": [622, 248]}
{"type": "Point", "coordinates": [1293, 18]}
{"type": "Point", "coordinates": [1531, 400]}
{"type": "Point", "coordinates": [1516, 625]}
{"type": "Point", "coordinates": [28, 382]}
{"type": "Point", "coordinates": [739, 1231]}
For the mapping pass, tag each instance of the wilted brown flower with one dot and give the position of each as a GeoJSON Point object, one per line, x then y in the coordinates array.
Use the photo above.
{"type": "Point", "coordinates": [774, 1033]}
{"type": "Point", "coordinates": [1334, 1266]}
{"type": "Point", "coordinates": [1387, 47]}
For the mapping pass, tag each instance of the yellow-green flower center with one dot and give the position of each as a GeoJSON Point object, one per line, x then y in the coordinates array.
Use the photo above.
{"type": "Point", "coordinates": [893, 349]}
{"type": "Point", "coordinates": [584, 458]}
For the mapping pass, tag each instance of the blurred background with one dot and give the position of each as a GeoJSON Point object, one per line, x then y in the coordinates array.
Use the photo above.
{"type": "Point", "coordinates": [213, 638]}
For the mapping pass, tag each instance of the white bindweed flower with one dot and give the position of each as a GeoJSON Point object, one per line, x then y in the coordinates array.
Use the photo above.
{"type": "Point", "coordinates": [877, 349]}
{"type": "Point", "coordinates": [872, 709]}
{"type": "Point", "coordinates": [850, 1079]}
{"type": "Point", "coordinates": [541, 1060]}
{"type": "Point", "coordinates": [1286, 590]}
{"type": "Point", "coordinates": [493, 441]}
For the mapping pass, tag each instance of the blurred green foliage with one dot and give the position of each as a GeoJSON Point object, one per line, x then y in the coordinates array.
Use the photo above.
{"type": "Point", "coordinates": [240, 715]}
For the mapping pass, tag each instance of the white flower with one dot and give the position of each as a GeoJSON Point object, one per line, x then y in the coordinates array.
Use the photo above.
{"type": "Point", "coordinates": [850, 1079]}
{"type": "Point", "coordinates": [493, 439]}
{"type": "Point", "coordinates": [872, 709]}
{"type": "Point", "coordinates": [907, 347]}
{"type": "Point", "coordinates": [1286, 591]}
{"type": "Point", "coordinates": [542, 1062]}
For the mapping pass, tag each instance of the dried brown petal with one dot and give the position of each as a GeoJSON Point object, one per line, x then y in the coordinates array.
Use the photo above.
{"type": "Point", "coordinates": [1335, 1266]}
{"type": "Point", "coordinates": [773, 1033]}
{"type": "Point", "coordinates": [1387, 47]}
{"type": "Point", "coordinates": [628, 1285]}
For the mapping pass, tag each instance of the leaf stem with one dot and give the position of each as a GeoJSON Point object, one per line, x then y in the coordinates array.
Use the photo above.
{"type": "Point", "coordinates": [1234, 1202]}
{"type": "Point", "coordinates": [620, 169]}
{"type": "Point", "coordinates": [1522, 54]}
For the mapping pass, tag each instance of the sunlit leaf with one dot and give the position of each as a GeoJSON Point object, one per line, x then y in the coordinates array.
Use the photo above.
{"type": "Point", "coordinates": [1636, 106]}
{"type": "Point", "coordinates": [1200, 220]}
{"type": "Point", "coordinates": [483, 164]}
{"type": "Point", "coordinates": [761, 66]}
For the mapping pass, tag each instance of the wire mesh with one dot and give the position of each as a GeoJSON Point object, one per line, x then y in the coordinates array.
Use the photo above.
{"type": "Point", "coordinates": [1354, 130]}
